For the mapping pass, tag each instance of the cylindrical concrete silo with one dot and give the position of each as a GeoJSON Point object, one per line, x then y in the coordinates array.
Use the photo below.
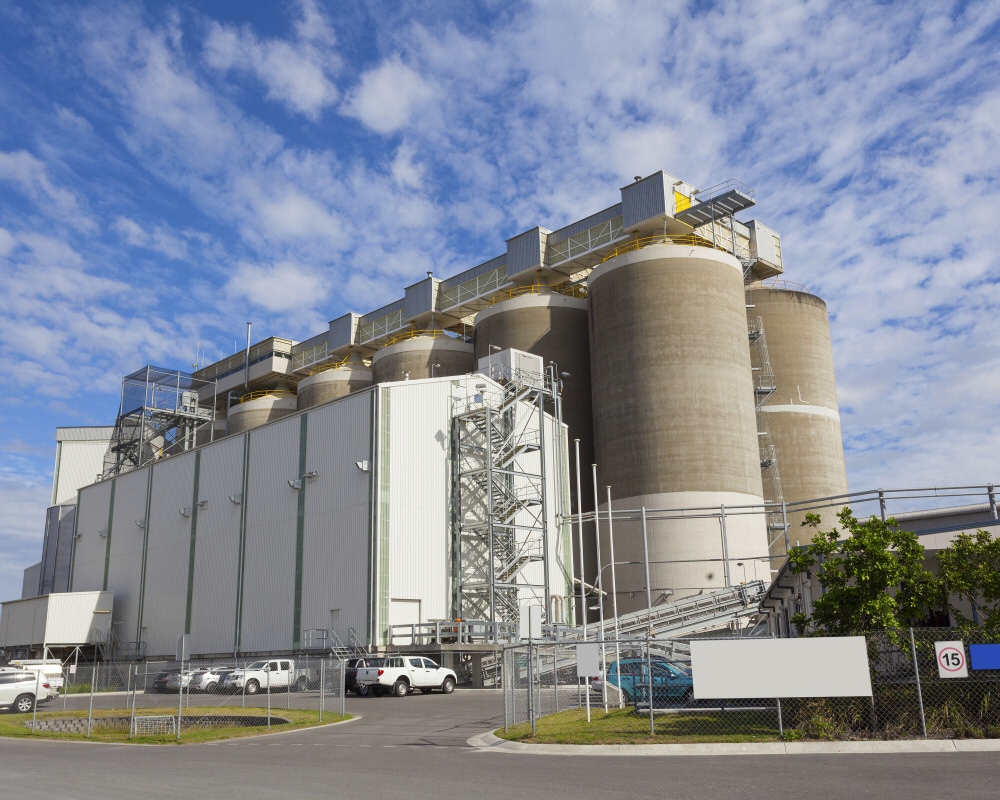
{"type": "Point", "coordinates": [554, 326]}
{"type": "Point", "coordinates": [674, 422]}
{"type": "Point", "coordinates": [329, 384]}
{"type": "Point", "coordinates": [425, 355]}
{"type": "Point", "coordinates": [256, 411]}
{"type": "Point", "coordinates": [802, 417]}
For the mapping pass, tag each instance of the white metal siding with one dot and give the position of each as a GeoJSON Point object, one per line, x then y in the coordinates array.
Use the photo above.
{"type": "Point", "coordinates": [217, 549]}
{"type": "Point", "coordinates": [91, 517]}
{"type": "Point", "coordinates": [80, 464]}
{"type": "Point", "coordinates": [167, 554]}
{"type": "Point", "coordinates": [269, 587]}
{"type": "Point", "coordinates": [125, 567]}
{"type": "Point", "coordinates": [335, 557]}
{"type": "Point", "coordinates": [72, 618]}
{"type": "Point", "coordinates": [23, 622]}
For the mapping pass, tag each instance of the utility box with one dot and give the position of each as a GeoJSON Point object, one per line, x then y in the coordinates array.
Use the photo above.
{"type": "Point", "coordinates": [512, 365]}
{"type": "Point", "coordinates": [765, 247]}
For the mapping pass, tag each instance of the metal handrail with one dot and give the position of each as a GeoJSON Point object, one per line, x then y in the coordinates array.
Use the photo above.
{"type": "Point", "coordinates": [788, 286]}
{"type": "Point", "coordinates": [261, 393]}
{"type": "Point", "coordinates": [578, 290]}
{"type": "Point", "coordinates": [413, 334]}
{"type": "Point", "coordinates": [669, 238]}
{"type": "Point", "coordinates": [329, 365]}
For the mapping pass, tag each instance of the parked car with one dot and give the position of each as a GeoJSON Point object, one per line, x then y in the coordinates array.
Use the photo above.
{"type": "Point", "coordinates": [274, 674]}
{"type": "Point", "coordinates": [672, 682]}
{"type": "Point", "coordinates": [403, 674]}
{"type": "Point", "coordinates": [52, 671]}
{"type": "Point", "coordinates": [20, 690]}
{"type": "Point", "coordinates": [209, 679]}
{"type": "Point", "coordinates": [351, 673]}
{"type": "Point", "coordinates": [160, 681]}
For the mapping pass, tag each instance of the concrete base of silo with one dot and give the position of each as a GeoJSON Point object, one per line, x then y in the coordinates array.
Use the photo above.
{"type": "Point", "coordinates": [331, 384]}
{"type": "Point", "coordinates": [423, 357]}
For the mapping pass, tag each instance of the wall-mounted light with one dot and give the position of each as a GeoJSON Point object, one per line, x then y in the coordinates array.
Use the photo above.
{"type": "Point", "coordinates": [103, 533]}
{"type": "Point", "coordinates": [77, 535]}
{"type": "Point", "coordinates": [296, 485]}
{"type": "Point", "coordinates": [185, 512]}
{"type": "Point", "coordinates": [312, 474]}
{"type": "Point", "coordinates": [202, 503]}
{"type": "Point", "coordinates": [364, 466]}
{"type": "Point", "coordinates": [140, 523]}
{"type": "Point", "coordinates": [236, 499]}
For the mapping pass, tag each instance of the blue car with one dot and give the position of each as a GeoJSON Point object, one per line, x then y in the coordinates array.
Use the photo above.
{"type": "Point", "coordinates": [672, 683]}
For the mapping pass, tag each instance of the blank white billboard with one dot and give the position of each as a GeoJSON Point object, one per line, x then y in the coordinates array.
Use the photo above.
{"type": "Point", "coordinates": [765, 668]}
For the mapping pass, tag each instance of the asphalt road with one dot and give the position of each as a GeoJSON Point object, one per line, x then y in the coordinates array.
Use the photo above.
{"type": "Point", "coordinates": [415, 747]}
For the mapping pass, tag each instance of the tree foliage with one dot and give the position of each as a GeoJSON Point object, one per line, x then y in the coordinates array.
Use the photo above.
{"type": "Point", "coordinates": [970, 571]}
{"type": "Point", "coordinates": [872, 574]}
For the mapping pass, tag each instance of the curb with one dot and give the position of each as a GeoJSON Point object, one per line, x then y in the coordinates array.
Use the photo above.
{"type": "Point", "coordinates": [488, 741]}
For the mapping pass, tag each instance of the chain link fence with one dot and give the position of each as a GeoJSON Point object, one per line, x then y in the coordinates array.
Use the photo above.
{"type": "Point", "coordinates": [115, 700]}
{"type": "Point", "coordinates": [909, 698]}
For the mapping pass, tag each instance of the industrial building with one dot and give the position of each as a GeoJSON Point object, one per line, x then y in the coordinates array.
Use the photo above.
{"type": "Point", "coordinates": [417, 463]}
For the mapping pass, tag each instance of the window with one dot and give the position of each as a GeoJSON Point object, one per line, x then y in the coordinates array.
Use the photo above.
{"type": "Point", "coordinates": [274, 666]}
{"type": "Point", "coordinates": [428, 664]}
{"type": "Point", "coordinates": [285, 665]}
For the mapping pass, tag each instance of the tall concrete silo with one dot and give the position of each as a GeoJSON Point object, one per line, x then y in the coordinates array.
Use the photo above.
{"type": "Point", "coordinates": [259, 408]}
{"type": "Point", "coordinates": [674, 422]}
{"type": "Point", "coordinates": [335, 381]}
{"type": "Point", "coordinates": [425, 355]}
{"type": "Point", "coordinates": [802, 417]}
{"type": "Point", "coordinates": [554, 326]}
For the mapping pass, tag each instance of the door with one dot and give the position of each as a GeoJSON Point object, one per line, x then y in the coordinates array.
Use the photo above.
{"type": "Point", "coordinates": [403, 612]}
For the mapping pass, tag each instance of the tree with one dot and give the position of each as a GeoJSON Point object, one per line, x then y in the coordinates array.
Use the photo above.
{"type": "Point", "coordinates": [873, 577]}
{"type": "Point", "coordinates": [970, 571]}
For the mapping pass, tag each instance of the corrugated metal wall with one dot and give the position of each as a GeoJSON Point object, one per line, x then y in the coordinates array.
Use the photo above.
{"type": "Point", "coordinates": [79, 465]}
{"type": "Point", "coordinates": [337, 528]}
{"type": "Point", "coordinates": [169, 540]}
{"type": "Point", "coordinates": [125, 563]}
{"type": "Point", "coordinates": [71, 618]}
{"type": "Point", "coordinates": [269, 585]}
{"type": "Point", "coordinates": [90, 549]}
{"type": "Point", "coordinates": [217, 548]}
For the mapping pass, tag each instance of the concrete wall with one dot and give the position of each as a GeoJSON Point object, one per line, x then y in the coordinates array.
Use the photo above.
{"type": "Point", "coordinates": [332, 384]}
{"type": "Point", "coordinates": [254, 413]}
{"type": "Point", "coordinates": [417, 357]}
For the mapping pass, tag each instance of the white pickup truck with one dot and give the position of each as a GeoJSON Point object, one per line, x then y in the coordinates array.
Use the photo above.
{"type": "Point", "coordinates": [401, 674]}
{"type": "Point", "coordinates": [274, 673]}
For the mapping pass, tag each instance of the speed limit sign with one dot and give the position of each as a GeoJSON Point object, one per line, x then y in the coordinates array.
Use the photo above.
{"type": "Point", "coordinates": [951, 659]}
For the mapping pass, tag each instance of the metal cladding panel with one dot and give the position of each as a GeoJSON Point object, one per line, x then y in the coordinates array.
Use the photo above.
{"type": "Point", "coordinates": [420, 297]}
{"type": "Point", "coordinates": [91, 547]}
{"type": "Point", "coordinates": [646, 199]}
{"type": "Point", "coordinates": [272, 510]}
{"type": "Point", "coordinates": [72, 617]}
{"type": "Point", "coordinates": [29, 583]}
{"type": "Point", "coordinates": [584, 224]}
{"type": "Point", "coordinates": [80, 464]}
{"type": "Point", "coordinates": [125, 562]}
{"type": "Point", "coordinates": [217, 548]}
{"type": "Point", "coordinates": [165, 603]}
{"type": "Point", "coordinates": [343, 331]}
{"type": "Point", "coordinates": [58, 579]}
{"type": "Point", "coordinates": [419, 495]}
{"type": "Point", "coordinates": [22, 622]}
{"type": "Point", "coordinates": [337, 518]}
{"type": "Point", "coordinates": [473, 272]}
{"type": "Point", "coordinates": [524, 251]}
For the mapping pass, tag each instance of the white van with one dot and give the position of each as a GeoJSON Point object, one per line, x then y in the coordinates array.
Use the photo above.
{"type": "Point", "coordinates": [52, 671]}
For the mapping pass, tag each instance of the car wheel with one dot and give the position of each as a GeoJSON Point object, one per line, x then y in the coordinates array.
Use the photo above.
{"type": "Point", "coordinates": [400, 688]}
{"type": "Point", "coordinates": [211, 688]}
{"type": "Point", "coordinates": [23, 704]}
{"type": "Point", "coordinates": [448, 686]}
{"type": "Point", "coordinates": [252, 687]}
{"type": "Point", "coordinates": [361, 689]}
{"type": "Point", "coordinates": [302, 683]}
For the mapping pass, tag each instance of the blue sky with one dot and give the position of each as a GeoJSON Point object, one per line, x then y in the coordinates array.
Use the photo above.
{"type": "Point", "coordinates": [169, 171]}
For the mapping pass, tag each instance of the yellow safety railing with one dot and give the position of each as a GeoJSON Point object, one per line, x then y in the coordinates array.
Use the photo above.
{"type": "Point", "coordinates": [402, 337]}
{"type": "Point", "coordinates": [261, 393]}
{"type": "Point", "coordinates": [682, 239]}
{"type": "Point", "coordinates": [329, 365]}
{"type": "Point", "coordinates": [788, 286]}
{"type": "Point", "coordinates": [579, 290]}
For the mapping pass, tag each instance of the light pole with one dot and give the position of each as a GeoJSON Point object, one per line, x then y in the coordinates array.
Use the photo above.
{"type": "Point", "coordinates": [741, 564]}
{"type": "Point", "coordinates": [433, 367]}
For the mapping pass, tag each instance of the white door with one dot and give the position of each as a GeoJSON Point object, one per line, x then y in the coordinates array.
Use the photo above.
{"type": "Point", "coordinates": [403, 612]}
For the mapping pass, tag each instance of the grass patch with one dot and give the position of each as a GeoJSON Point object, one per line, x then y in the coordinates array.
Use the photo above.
{"type": "Point", "coordinates": [14, 724]}
{"type": "Point", "coordinates": [628, 727]}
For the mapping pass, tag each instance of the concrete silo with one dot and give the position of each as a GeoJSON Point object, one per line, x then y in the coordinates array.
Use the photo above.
{"type": "Point", "coordinates": [802, 417]}
{"type": "Point", "coordinates": [260, 407]}
{"type": "Point", "coordinates": [674, 422]}
{"type": "Point", "coordinates": [333, 381]}
{"type": "Point", "coordinates": [424, 354]}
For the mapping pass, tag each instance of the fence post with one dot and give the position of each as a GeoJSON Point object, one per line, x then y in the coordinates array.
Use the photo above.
{"type": "Point", "coordinates": [555, 672]}
{"type": "Point", "coordinates": [135, 689]}
{"type": "Point", "coordinates": [531, 688]}
{"type": "Point", "coordinates": [920, 694]}
{"type": "Point", "coordinates": [342, 691]}
{"type": "Point", "coordinates": [180, 699]}
{"type": "Point", "coordinates": [505, 679]}
{"type": "Point", "coordinates": [322, 687]}
{"type": "Point", "coordinates": [268, 698]}
{"type": "Point", "coordinates": [93, 680]}
{"type": "Point", "coordinates": [781, 725]}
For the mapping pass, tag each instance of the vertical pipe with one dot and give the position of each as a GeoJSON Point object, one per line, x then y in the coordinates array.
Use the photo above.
{"type": "Point", "coordinates": [993, 501]}
{"type": "Point", "coordinates": [579, 528]}
{"type": "Point", "coordinates": [916, 671]}
{"type": "Point", "coordinates": [600, 594]}
{"type": "Point", "coordinates": [246, 362]}
{"type": "Point", "coordinates": [614, 601]}
{"type": "Point", "coordinates": [649, 618]}
{"type": "Point", "coordinates": [725, 547]}
{"type": "Point", "coordinates": [881, 503]}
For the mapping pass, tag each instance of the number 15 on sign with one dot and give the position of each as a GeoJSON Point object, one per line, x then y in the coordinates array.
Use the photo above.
{"type": "Point", "coordinates": [951, 659]}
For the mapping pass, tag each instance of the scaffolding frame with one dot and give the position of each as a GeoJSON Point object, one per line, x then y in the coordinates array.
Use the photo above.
{"type": "Point", "coordinates": [160, 414]}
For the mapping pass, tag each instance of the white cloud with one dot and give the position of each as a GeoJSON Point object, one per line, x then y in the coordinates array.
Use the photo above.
{"type": "Point", "coordinates": [296, 73]}
{"type": "Point", "coordinates": [32, 177]}
{"type": "Point", "coordinates": [389, 96]}
{"type": "Point", "coordinates": [159, 240]}
{"type": "Point", "coordinates": [282, 287]}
